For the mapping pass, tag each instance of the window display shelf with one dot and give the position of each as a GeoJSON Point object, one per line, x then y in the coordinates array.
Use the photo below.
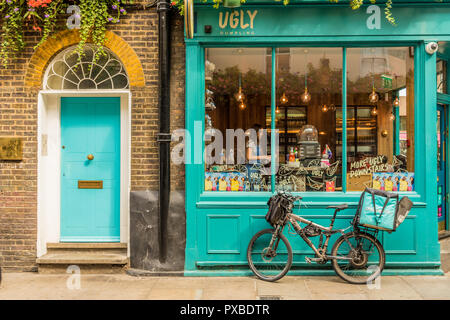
{"type": "Point", "coordinates": [361, 132]}
{"type": "Point", "coordinates": [288, 121]}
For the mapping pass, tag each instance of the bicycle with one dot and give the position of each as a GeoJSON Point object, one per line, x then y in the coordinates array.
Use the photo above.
{"type": "Point", "coordinates": [356, 256]}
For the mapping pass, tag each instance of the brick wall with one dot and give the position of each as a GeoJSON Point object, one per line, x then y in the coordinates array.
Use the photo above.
{"type": "Point", "coordinates": [18, 117]}
{"type": "Point", "coordinates": [18, 185]}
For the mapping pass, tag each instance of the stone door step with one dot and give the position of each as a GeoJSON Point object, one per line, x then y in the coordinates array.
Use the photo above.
{"type": "Point", "coordinates": [85, 257]}
{"type": "Point", "coordinates": [82, 258]}
{"type": "Point", "coordinates": [70, 247]}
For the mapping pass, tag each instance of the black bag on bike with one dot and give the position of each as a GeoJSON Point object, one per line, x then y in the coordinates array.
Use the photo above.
{"type": "Point", "coordinates": [277, 210]}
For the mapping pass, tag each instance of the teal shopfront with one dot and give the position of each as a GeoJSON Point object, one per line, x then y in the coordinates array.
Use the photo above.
{"type": "Point", "coordinates": [340, 100]}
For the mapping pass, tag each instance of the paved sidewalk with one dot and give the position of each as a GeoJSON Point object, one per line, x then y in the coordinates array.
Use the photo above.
{"type": "Point", "coordinates": [36, 286]}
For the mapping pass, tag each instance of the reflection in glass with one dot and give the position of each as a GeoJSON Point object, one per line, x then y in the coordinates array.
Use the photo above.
{"type": "Point", "coordinates": [310, 79]}
{"type": "Point", "coordinates": [380, 132]}
{"type": "Point", "coordinates": [441, 75]}
{"type": "Point", "coordinates": [309, 118]}
{"type": "Point", "coordinates": [237, 147]}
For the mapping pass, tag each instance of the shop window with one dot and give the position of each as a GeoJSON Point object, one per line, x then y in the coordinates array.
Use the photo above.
{"type": "Point", "coordinates": [237, 151]}
{"type": "Point", "coordinates": [441, 76]}
{"type": "Point", "coordinates": [380, 119]}
{"type": "Point", "coordinates": [66, 72]}
{"type": "Point", "coordinates": [309, 93]}
{"type": "Point", "coordinates": [300, 125]}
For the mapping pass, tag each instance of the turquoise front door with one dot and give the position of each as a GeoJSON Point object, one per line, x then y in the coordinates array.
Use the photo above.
{"type": "Point", "coordinates": [90, 169]}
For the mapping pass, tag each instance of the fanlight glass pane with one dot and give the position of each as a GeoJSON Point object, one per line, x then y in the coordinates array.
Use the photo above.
{"type": "Point", "coordinates": [86, 84]}
{"type": "Point", "coordinates": [107, 84]}
{"type": "Point", "coordinates": [55, 82]}
{"type": "Point", "coordinates": [120, 81]}
{"type": "Point", "coordinates": [66, 72]}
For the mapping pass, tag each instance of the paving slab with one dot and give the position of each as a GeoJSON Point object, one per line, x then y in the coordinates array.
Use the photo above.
{"type": "Point", "coordinates": [227, 288]}
{"type": "Point", "coordinates": [204, 282]}
{"type": "Point", "coordinates": [288, 288]}
{"type": "Point", "coordinates": [24, 286]}
{"type": "Point", "coordinates": [332, 288]}
{"type": "Point", "coordinates": [433, 287]}
{"type": "Point", "coordinates": [390, 288]}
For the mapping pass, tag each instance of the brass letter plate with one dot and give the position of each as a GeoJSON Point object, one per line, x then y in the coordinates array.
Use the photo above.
{"type": "Point", "coordinates": [90, 184]}
{"type": "Point", "coordinates": [10, 149]}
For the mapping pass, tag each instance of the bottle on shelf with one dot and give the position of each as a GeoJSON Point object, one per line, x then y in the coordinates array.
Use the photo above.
{"type": "Point", "coordinates": [291, 155]}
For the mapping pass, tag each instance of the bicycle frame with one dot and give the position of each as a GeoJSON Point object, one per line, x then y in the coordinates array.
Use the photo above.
{"type": "Point", "coordinates": [327, 231]}
{"type": "Point", "coordinates": [294, 220]}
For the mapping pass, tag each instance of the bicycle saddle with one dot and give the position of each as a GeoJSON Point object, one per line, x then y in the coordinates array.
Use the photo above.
{"type": "Point", "coordinates": [339, 207]}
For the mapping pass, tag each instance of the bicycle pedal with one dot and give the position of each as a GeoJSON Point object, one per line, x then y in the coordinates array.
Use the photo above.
{"type": "Point", "coordinates": [308, 260]}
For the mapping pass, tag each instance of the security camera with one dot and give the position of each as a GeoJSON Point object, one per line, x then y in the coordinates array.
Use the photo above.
{"type": "Point", "coordinates": [431, 47]}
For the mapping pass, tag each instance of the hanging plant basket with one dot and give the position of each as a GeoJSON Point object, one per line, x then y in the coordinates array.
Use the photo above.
{"type": "Point", "coordinates": [231, 3]}
{"type": "Point", "coordinates": [43, 17]}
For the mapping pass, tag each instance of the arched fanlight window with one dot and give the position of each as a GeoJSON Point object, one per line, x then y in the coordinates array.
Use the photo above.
{"type": "Point", "coordinates": [66, 73]}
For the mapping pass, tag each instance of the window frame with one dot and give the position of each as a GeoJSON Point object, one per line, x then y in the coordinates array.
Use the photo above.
{"type": "Point", "coordinates": [211, 199]}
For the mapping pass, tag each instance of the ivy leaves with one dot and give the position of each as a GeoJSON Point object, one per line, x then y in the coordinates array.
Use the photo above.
{"type": "Point", "coordinates": [354, 4]}
{"type": "Point", "coordinates": [13, 38]}
{"type": "Point", "coordinates": [45, 16]}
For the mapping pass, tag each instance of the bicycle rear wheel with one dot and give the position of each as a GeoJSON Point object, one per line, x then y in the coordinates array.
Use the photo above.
{"type": "Point", "coordinates": [269, 260]}
{"type": "Point", "coordinates": [363, 258]}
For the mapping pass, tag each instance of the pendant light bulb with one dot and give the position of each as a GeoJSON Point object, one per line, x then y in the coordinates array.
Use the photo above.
{"type": "Point", "coordinates": [392, 117]}
{"type": "Point", "coordinates": [374, 111]}
{"type": "Point", "coordinates": [240, 95]}
{"type": "Point", "coordinates": [396, 102]}
{"type": "Point", "coordinates": [284, 99]}
{"type": "Point", "coordinates": [242, 105]}
{"type": "Point", "coordinates": [306, 96]}
{"type": "Point", "coordinates": [373, 97]}
{"type": "Point", "coordinates": [277, 110]}
{"type": "Point", "coordinates": [324, 108]}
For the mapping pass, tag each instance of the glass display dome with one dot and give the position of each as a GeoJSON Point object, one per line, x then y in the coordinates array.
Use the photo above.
{"type": "Point", "coordinates": [307, 133]}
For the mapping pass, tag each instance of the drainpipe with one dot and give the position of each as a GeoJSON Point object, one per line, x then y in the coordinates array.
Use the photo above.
{"type": "Point", "coordinates": [164, 136]}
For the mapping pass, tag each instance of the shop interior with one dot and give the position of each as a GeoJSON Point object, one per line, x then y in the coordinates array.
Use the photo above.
{"type": "Point", "coordinates": [309, 118]}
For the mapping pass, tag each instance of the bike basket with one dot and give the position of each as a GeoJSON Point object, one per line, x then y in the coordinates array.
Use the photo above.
{"type": "Point", "coordinates": [277, 210]}
{"type": "Point", "coordinates": [378, 210]}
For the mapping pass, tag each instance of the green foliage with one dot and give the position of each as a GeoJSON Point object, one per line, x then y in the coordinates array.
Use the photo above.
{"type": "Point", "coordinates": [13, 38]}
{"type": "Point", "coordinates": [42, 16]}
{"type": "Point", "coordinates": [354, 4]}
{"type": "Point", "coordinates": [321, 80]}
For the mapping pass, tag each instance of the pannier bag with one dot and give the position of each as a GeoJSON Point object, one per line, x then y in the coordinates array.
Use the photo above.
{"type": "Point", "coordinates": [378, 210]}
{"type": "Point", "coordinates": [277, 210]}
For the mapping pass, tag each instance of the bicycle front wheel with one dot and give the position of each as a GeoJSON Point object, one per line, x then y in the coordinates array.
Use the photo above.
{"type": "Point", "coordinates": [359, 258]}
{"type": "Point", "coordinates": [269, 257]}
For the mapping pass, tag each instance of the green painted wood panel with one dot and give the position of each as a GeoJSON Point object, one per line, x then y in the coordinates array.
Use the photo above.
{"type": "Point", "coordinates": [414, 248]}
